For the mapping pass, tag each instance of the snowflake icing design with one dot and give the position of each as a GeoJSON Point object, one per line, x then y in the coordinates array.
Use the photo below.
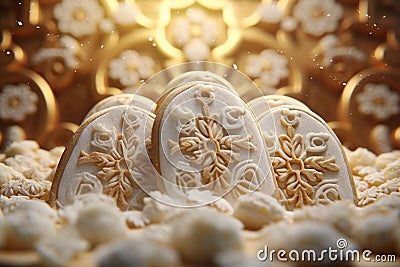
{"type": "Point", "coordinates": [17, 101]}
{"type": "Point", "coordinates": [208, 145]}
{"type": "Point", "coordinates": [118, 158]}
{"type": "Point", "coordinates": [300, 174]}
{"type": "Point", "coordinates": [379, 101]}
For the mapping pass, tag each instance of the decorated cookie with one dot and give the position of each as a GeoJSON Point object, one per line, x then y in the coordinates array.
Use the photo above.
{"type": "Point", "coordinates": [308, 161]}
{"type": "Point", "coordinates": [199, 76]}
{"type": "Point", "coordinates": [107, 154]}
{"type": "Point", "coordinates": [261, 104]}
{"type": "Point", "coordinates": [205, 138]}
{"type": "Point", "coordinates": [123, 99]}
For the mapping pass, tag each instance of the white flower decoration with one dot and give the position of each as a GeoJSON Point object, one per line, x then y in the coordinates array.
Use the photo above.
{"type": "Point", "coordinates": [269, 67]}
{"type": "Point", "coordinates": [78, 17]}
{"type": "Point", "coordinates": [17, 101]}
{"type": "Point", "coordinates": [125, 14]}
{"type": "Point", "coordinates": [379, 101]}
{"type": "Point", "coordinates": [318, 17]}
{"type": "Point", "coordinates": [130, 67]}
{"type": "Point", "coordinates": [196, 33]}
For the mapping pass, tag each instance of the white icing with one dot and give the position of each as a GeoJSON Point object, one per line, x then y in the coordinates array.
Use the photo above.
{"type": "Point", "coordinates": [309, 165]}
{"type": "Point", "coordinates": [210, 155]}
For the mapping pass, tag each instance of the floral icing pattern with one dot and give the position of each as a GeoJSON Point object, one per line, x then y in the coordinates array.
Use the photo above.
{"type": "Point", "coordinates": [80, 18]}
{"type": "Point", "coordinates": [17, 101]}
{"type": "Point", "coordinates": [318, 17]}
{"type": "Point", "coordinates": [208, 145]}
{"type": "Point", "coordinates": [130, 67]}
{"type": "Point", "coordinates": [249, 177]}
{"type": "Point", "coordinates": [119, 160]}
{"type": "Point", "coordinates": [195, 33]}
{"type": "Point", "coordinates": [268, 68]}
{"type": "Point", "coordinates": [299, 174]}
{"type": "Point", "coordinates": [379, 101]}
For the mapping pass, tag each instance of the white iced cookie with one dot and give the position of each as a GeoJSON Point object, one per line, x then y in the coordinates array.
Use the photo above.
{"type": "Point", "coordinates": [107, 155]}
{"type": "Point", "coordinates": [258, 209]}
{"type": "Point", "coordinates": [136, 252]}
{"type": "Point", "coordinates": [206, 138]}
{"type": "Point", "coordinates": [308, 161]}
{"type": "Point", "coordinates": [200, 235]}
{"type": "Point", "coordinates": [123, 99]}
{"type": "Point", "coordinates": [199, 76]}
{"type": "Point", "coordinates": [261, 104]}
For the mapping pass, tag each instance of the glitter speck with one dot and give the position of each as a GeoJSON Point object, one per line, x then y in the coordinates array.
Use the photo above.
{"type": "Point", "coordinates": [19, 23]}
{"type": "Point", "coordinates": [235, 66]}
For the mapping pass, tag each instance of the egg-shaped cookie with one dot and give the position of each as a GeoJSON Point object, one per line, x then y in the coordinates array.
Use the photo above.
{"type": "Point", "coordinates": [261, 104]}
{"type": "Point", "coordinates": [108, 155]}
{"type": "Point", "coordinates": [206, 139]}
{"type": "Point", "coordinates": [308, 161]}
{"type": "Point", "coordinates": [122, 99]}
